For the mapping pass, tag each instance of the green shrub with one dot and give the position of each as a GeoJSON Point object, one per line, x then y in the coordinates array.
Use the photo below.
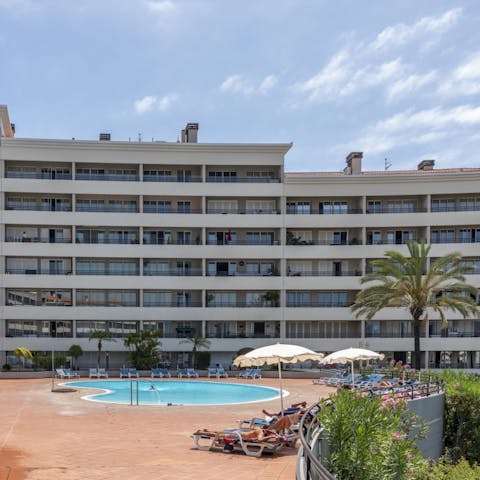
{"type": "Point", "coordinates": [462, 416]}
{"type": "Point", "coordinates": [370, 440]}
{"type": "Point", "coordinates": [203, 359]}
{"type": "Point", "coordinates": [44, 362]}
{"type": "Point", "coordinates": [446, 471]}
{"type": "Point", "coordinates": [6, 367]}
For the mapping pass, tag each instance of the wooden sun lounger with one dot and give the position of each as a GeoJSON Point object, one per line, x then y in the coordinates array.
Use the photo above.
{"type": "Point", "coordinates": [232, 439]}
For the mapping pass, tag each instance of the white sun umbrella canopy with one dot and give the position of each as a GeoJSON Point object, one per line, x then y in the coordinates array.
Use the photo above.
{"type": "Point", "coordinates": [350, 355]}
{"type": "Point", "coordinates": [277, 354]}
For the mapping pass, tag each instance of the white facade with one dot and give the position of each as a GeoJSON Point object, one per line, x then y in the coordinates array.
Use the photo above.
{"type": "Point", "coordinates": [215, 239]}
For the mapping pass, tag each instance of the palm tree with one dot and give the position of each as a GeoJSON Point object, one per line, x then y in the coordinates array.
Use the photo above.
{"type": "Point", "coordinates": [409, 282]}
{"type": "Point", "coordinates": [101, 336]}
{"type": "Point", "coordinates": [23, 353]}
{"type": "Point", "coordinates": [197, 342]}
{"type": "Point", "coordinates": [75, 351]}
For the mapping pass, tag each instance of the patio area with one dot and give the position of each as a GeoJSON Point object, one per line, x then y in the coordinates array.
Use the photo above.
{"type": "Point", "coordinates": [59, 436]}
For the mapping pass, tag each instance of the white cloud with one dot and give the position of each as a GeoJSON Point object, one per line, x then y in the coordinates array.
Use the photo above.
{"type": "Point", "coordinates": [238, 84]}
{"type": "Point", "coordinates": [464, 80]}
{"type": "Point", "coordinates": [401, 34]}
{"type": "Point", "coordinates": [267, 84]}
{"type": "Point", "coordinates": [153, 102]}
{"type": "Point", "coordinates": [20, 6]}
{"type": "Point", "coordinates": [160, 6]}
{"type": "Point", "coordinates": [410, 84]}
{"type": "Point", "coordinates": [421, 127]}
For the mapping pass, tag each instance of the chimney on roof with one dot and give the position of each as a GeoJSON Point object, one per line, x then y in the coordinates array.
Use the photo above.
{"type": "Point", "coordinates": [426, 165]}
{"type": "Point", "coordinates": [190, 133]}
{"type": "Point", "coordinates": [354, 163]}
{"type": "Point", "coordinates": [104, 137]}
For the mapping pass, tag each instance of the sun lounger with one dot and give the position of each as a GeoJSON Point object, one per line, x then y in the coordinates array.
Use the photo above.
{"type": "Point", "coordinates": [102, 373]}
{"type": "Point", "coordinates": [255, 373]}
{"type": "Point", "coordinates": [246, 373]}
{"type": "Point", "coordinates": [182, 372]}
{"type": "Point", "coordinates": [156, 373]}
{"type": "Point", "coordinates": [165, 373]}
{"type": "Point", "coordinates": [212, 372]}
{"type": "Point", "coordinates": [124, 373]}
{"type": "Point", "coordinates": [92, 372]}
{"type": "Point", "coordinates": [191, 373]}
{"type": "Point", "coordinates": [234, 440]}
{"type": "Point", "coordinates": [70, 373]}
{"type": "Point", "coordinates": [132, 373]}
{"type": "Point", "coordinates": [221, 373]}
{"type": "Point", "coordinates": [60, 373]}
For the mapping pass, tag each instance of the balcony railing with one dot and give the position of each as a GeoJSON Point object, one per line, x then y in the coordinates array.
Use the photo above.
{"type": "Point", "coordinates": [20, 238]}
{"type": "Point", "coordinates": [331, 242]}
{"type": "Point", "coordinates": [38, 207]}
{"type": "Point", "coordinates": [110, 177]}
{"type": "Point", "coordinates": [106, 208]}
{"type": "Point", "coordinates": [106, 271]}
{"type": "Point", "coordinates": [148, 241]}
{"type": "Point", "coordinates": [456, 239]}
{"type": "Point", "coordinates": [387, 241]}
{"type": "Point", "coordinates": [160, 209]}
{"type": "Point", "coordinates": [313, 211]}
{"type": "Point", "coordinates": [171, 304]}
{"type": "Point", "coordinates": [326, 273]}
{"type": "Point", "coordinates": [109, 241]}
{"type": "Point", "coordinates": [455, 208]}
{"type": "Point", "coordinates": [172, 178]}
{"type": "Point", "coordinates": [173, 272]}
{"type": "Point", "coordinates": [294, 304]}
{"type": "Point", "coordinates": [395, 209]}
{"type": "Point", "coordinates": [241, 335]}
{"type": "Point", "coordinates": [245, 211]}
{"type": "Point", "coordinates": [243, 242]}
{"type": "Point", "coordinates": [40, 303]}
{"type": "Point", "coordinates": [239, 304]}
{"type": "Point", "coordinates": [38, 271]}
{"type": "Point", "coordinates": [242, 180]}
{"type": "Point", "coordinates": [243, 274]}
{"type": "Point", "coordinates": [39, 175]}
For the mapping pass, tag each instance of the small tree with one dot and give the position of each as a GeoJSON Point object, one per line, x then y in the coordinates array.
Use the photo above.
{"type": "Point", "coordinates": [75, 351]}
{"type": "Point", "coordinates": [144, 348]}
{"type": "Point", "coordinates": [197, 342]}
{"type": "Point", "coordinates": [23, 353]}
{"type": "Point", "coordinates": [101, 336]}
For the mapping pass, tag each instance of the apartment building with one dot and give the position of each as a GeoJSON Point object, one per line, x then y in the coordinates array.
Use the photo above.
{"type": "Point", "coordinates": [216, 240]}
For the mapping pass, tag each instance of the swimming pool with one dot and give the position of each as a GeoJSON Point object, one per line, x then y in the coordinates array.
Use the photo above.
{"type": "Point", "coordinates": [174, 392]}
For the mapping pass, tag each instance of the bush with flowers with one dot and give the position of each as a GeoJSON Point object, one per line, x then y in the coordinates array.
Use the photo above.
{"type": "Point", "coordinates": [371, 439]}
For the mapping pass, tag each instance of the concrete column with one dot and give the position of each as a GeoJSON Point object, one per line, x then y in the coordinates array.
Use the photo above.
{"type": "Point", "coordinates": [140, 172]}
{"type": "Point", "coordinates": [140, 204]}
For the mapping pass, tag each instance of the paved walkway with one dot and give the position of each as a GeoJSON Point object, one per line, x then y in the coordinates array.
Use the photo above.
{"type": "Point", "coordinates": [59, 436]}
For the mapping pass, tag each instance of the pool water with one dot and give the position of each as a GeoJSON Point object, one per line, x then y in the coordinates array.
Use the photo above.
{"type": "Point", "coordinates": [174, 392]}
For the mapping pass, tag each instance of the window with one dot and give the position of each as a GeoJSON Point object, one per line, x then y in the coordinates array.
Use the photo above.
{"type": "Point", "coordinates": [469, 204]}
{"type": "Point", "coordinates": [222, 206]}
{"type": "Point", "coordinates": [154, 298]}
{"type": "Point", "coordinates": [260, 206]}
{"type": "Point", "coordinates": [184, 207]}
{"type": "Point", "coordinates": [298, 299]}
{"type": "Point", "coordinates": [300, 208]}
{"type": "Point", "coordinates": [374, 206]}
{"type": "Point", "coordinates": [221, 176]}
{"type": "Point", "coordinates": [259, 238]}
{"type": "Point", "coordinates": [443, 236]}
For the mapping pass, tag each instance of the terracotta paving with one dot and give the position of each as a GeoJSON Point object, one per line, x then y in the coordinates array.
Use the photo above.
{"type": "Point", "coordinates": [59, 436]}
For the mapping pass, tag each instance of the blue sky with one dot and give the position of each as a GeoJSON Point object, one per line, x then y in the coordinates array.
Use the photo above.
{"type": "Point", "coordinates": [396, 79]}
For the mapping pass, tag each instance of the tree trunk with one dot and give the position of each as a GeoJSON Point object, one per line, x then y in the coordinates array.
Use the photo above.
{"type": "Point", "coordinates": [99, 353]}
{"type": "Point", "coordinates": [417, 360]}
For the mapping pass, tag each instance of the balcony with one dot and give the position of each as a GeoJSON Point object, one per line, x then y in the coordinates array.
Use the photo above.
{"type": "Point", "coordinates": [107, 177]}
{"type": "Point", "coordinates": [39, 175]}
{"type": "Point", "coordinates": [169, 209]}
{"type": "Point", "coordinates": [243, 242]}
{"type": "Point", "coordinates": [172, 303]}
{"type": "Point", "coordinates": [324, 273]}
{"type": "Point", "coordinates": [172, 272]}
{"type": "Point", "coordinates": [172, 178]}
{"type": "Point", "coordinates": [240, 304]}
{"type": "Point", "coordinates": [107, 271]}
{"type": "Point", "coordinates": [107, 241]}
{"type": "Point", "coordinates": [38, 207]}
{"type": "Point", "coordinates": [235, 179]}
{"type": "Point", "coordinates": [313, 303]}
{"type": "Point", "coordinates": [38, 271]}
{"type": "Point", "coordinates": [395, 209]}
{"type": "Point", "coordinates": [242, 211]}
{"type": "Point", "coordinates": [456, 238]}
{"type": "Point", "coordinates": [325, 211]}
{"type": "Point", "coordinates": [106, 208]}
{"type": "Point", "coordinates": [28, 239]}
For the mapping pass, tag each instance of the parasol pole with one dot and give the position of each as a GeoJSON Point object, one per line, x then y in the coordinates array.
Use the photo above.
{"type": "Point", "coordinates": [353, 378]}
{"type": "Point", "coordinates": [280, 379]}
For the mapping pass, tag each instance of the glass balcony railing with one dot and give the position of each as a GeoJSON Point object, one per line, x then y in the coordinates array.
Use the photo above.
{"type": "Point", "coordinates": [39, 175]}
{"type": "Point", "coordinates": [172, 178]}
{"type": "Point", "coordinates": [106, 208]}
{"type": "Point", "coordinates": [235, 179]}
{"type": "Point", "coordinates": [151, 271]}
{"type": "Point", "coordinates": [38, 207]}
{"type": "Point", "coordinates": [38, 271]}
{"type": "Point", "coordinates": [243, 211]}
{"type": "Point", "coordinates": [171, 304]}
{"type": "Point", "coordinates": [108, 177]}
{"type": "Point", "coordinates": [165, 209]}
